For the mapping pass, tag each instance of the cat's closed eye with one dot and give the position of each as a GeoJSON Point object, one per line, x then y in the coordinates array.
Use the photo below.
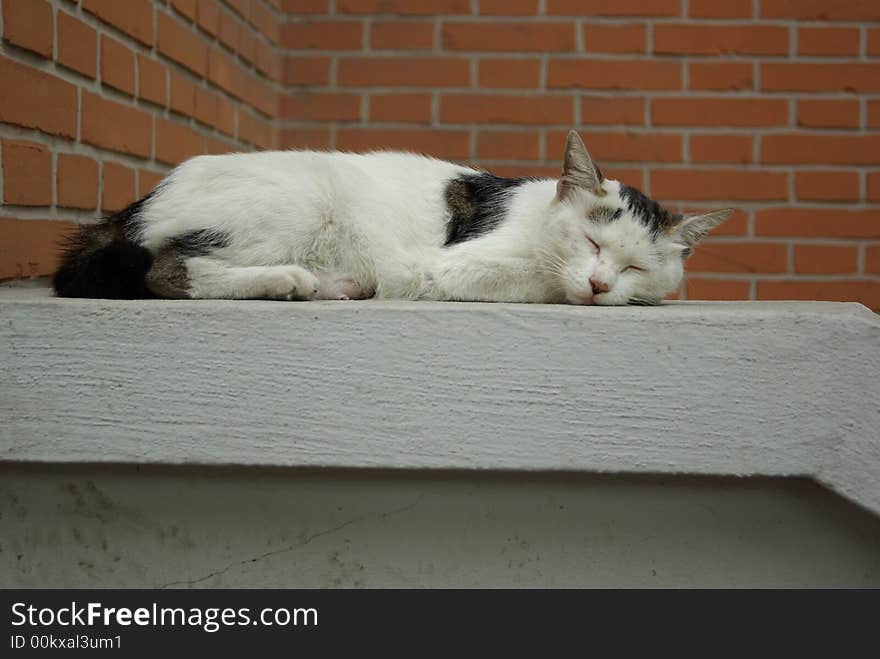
{"type": "Point", "coordinates": [634, 267]}
{"type": "Point", "coordinates": [595, 244]}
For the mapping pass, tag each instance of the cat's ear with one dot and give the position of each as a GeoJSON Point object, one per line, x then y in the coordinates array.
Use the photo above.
{"type": "Point", "coordinates": [578, 170]}
{"type": "Point", "coordinates": [693, 229]}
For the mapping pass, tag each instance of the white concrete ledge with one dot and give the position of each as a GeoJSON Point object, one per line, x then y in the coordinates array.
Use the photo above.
{"type": "Point", "coordinates": [769, 389]}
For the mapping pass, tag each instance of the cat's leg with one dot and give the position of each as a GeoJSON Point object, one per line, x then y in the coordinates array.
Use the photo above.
{"type": "Point", "coordinates": [483, 278]}
{"type": "Point", "coordinates": [201, 277]}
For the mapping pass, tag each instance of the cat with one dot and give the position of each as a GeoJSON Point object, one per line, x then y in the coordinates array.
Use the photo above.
{"type": "Point", "coordinates": [303, 225]}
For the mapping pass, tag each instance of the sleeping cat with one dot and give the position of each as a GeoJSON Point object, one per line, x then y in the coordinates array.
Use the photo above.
{"type": "Point", "coordinates": [302, 225]}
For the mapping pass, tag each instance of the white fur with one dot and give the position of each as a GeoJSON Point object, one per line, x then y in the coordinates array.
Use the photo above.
{"type": "Point", "coordinates": [337, 225]}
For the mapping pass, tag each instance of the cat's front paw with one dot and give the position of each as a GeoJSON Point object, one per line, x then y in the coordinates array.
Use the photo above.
{"type": "Point", "coordinates": [291, 282]}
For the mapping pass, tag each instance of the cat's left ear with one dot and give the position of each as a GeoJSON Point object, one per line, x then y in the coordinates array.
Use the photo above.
{"type": "Point", "coordinates": [693, 229]}
{"type": "Point", "coordinates": [578, 170]}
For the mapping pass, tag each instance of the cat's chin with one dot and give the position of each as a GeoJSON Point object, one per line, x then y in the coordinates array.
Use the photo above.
{"type": "Point", "coordinates": [580, 300]}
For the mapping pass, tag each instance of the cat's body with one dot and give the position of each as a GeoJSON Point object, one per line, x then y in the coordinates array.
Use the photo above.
{"type": "Point", "coordinates": [304, 225]}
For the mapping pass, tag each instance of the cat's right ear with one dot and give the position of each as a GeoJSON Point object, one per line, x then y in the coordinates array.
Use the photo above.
{"type": "Point", "coordinates": [578, 170]}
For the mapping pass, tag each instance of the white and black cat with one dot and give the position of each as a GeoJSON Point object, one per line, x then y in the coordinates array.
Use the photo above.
{"type": "Point", "coordinates": [301, 225]}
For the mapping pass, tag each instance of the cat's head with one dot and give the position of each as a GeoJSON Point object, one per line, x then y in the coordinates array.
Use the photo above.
{"type": "Point", "coordinates": [614, 245]}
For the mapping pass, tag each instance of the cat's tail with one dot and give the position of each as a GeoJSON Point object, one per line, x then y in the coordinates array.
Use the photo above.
{"type": "Point", "coordinates": [101, 261]}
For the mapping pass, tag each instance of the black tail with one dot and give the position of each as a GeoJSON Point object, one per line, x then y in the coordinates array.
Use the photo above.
{"type": "Point", "coordinates": [101, 261]}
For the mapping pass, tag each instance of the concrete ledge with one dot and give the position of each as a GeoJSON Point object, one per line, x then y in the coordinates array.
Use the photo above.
{"type": "Point", "coordinates": [750, 389]}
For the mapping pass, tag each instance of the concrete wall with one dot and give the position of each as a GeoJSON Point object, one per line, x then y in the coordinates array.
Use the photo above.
{"type": "Point", "coordinates": [528, 404]}
{"type": "Point", "coordinates": [90, 526]}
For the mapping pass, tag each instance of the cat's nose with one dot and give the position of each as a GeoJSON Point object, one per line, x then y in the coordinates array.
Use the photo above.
{"type": "Point", "coordinates": [598, 286]}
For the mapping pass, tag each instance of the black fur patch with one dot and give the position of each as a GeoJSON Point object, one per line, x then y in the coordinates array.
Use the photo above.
{"type": "Point", "coordinates": [169, 277]}
{"type": "Point", "coordinates": [102, 260]}
{"type": "Point", "coordinates": [476, 203]}
{"type": "Point", "coordinates": [653, 215]}
{"type": "Point", "coordinates": [198, 243]}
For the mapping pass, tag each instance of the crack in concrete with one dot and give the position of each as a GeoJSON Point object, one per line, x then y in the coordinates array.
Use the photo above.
{"type": "Point", "coordinates": [289, 548]}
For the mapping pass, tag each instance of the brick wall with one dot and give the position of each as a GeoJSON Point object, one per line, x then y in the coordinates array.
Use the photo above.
{"type": "Point", "coordinates": [772, 106]}
{"type": "Point", "coordinates": [100, 98]}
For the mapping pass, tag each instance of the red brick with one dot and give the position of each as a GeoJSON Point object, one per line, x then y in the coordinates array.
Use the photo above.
{"type": "Point", "coordinates": [518, 171]}
{"type": "Point", "coordinates": [320, 106]}
{"type": "Point", "coordinates": [226, 74]}
{"type": "Point", "coordinates": [874, 187]}
{"type": "Point", "coordinates": [508, 7]}
{"type": "Point", "coordinates": [34, 99]}
{"type": "Point", "coordinates": [119, 190]}
{"type": "Point", "coordinates": [225, 119]}
{"type": "Point", "coordinates": [508, 145]}
{"type": "Point", "coordinates": [854, 290]}
{"type": "Point", "coordinates": [117, 65]}
{"type": "Point", "coordinates": [874, 113]}
{"type": "Point", "coordinates": [721, 148]}
{"type": "Point", "coordinates": [715, 9]}
{"type": "Point", "coordinates": [257, 131]}
{"type": "Point", "coordinates": [404, 7]}
{"type": "Point", "coordinates": [819, 77]}
{"type": "Point", "coordinates": [694, 111]}
{"type": "Point", "coordinates": [323, 35]}
{"type": "Point", "coordinates": [305, 6]}
{"type": "Point", "coordinates": [208, 16]}
{"type": "Point", "coordinates": [818, 222]}
{"type": "Point", "coordinates": [616, 110]}
{"type": "Point", "coordinates": [828, 41]}
{"type": "Point", "coordinates": [826, 259]}
{"type": "Point", "coordinates": [181, 44]}
{"type": "Point", "coordinates": [718, 184]}
{"type": "Point", "coordinates": [28, 24]}
{"type": "Point", "coordinates": [186, 8]}
{"type": "Point", "coordinates": [401, 35]}
{"type": "Point", "coordinates": [532, 110]}
{"type": "Point", "coordinates": [115, 126]}
{"type": "Point", "coordinates": [77, 45]}
{"type": "Point", "coordinates": [874, 42]}
{"type": "Point", "coordinates": [827, 186]}
{"type": "Point", "coordinates": [401, 107]}
{"type": "Point", "coordinates": [821, 113]}
{"type": "Point", "coordinates": [614, 7]}
{"type": "Point", "coordinates": [307, 70]}
{"type": "Point", "coordinates": [623, 146]}
{"type": "Point", "coordinates": [206, 106]}
{"type": "Point", "coordinates": [30, 248]}
{"type": "Point", "coordinates": [241, 7]}
{"type": "Point", "coordinates": [440, 143]}
{"type": "Point", "coordinates": [134, 17]}
{"type": "Point", "coordinates": [408, 71]}
{"type": "Point", "coordinates": [717, 289]}
{"type": "Point", "coordinates": [219, 146]}
{"type": "Point", "coordinates": [175, 143]}
{"type": "Point", "coordinates": [614, 74]}
{"type": "Point", "coordinates": [514, 37]}
{"type": "Point", "coordinates": [744, 256]}
{"type": "Point", "coordinates": [795, 148]}
{"type": "Point", "coordinates": [152, 78]}
{"type": "Point", "coordinates": [510, 73]}
{"type": "Point", "coordinates": [821, 10]}
{"type": "Point", "coordinates": [721, 76]}
{"type": "Point", "coordinates": [305, 138]}
{"type": "Point", "coordinates": [228, 30]}
{"type": "Point", "coordinates": [872, 259]}
{"type": "Point", "coordinates": [602, 38]}
{"type": "Point", "coordinates": [77, 181]}
{"type": "Point", "coordinates": [27, 173]}
{"type": "Point", "coordinates": [183, 94]}
{"type": "Point", "coordinates": [700, 39]}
